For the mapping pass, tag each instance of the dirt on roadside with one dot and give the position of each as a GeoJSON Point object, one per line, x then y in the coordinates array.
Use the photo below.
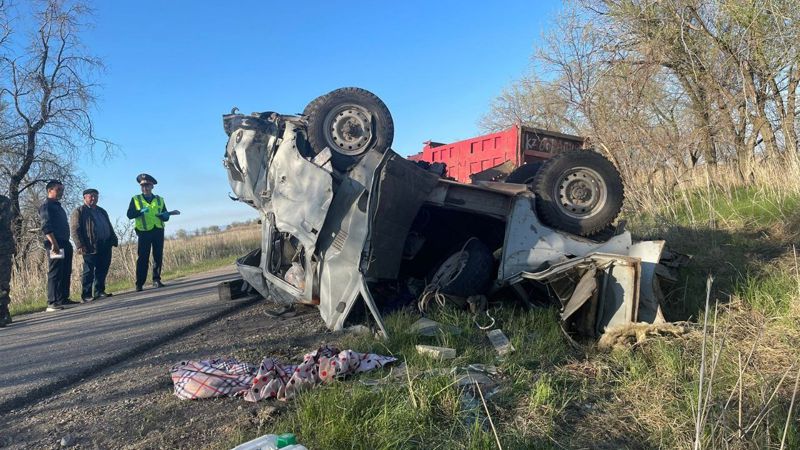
{"type": "Point", "coordinates": [131, 405]}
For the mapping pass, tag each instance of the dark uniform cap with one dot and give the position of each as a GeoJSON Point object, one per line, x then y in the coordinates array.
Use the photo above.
{"type": "Point", "coordinates": [145, 178]}
{"type": "Point", "coordinates": [91, 191]}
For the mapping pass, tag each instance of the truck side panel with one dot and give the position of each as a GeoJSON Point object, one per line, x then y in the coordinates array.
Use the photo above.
{"type": "Point", "coordinates": [469, 156]}
{"type": "Point", "coordinates": [517, 145]}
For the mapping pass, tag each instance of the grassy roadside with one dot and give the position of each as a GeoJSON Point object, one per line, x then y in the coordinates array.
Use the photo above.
{"type": "Point", "coordinates": [119, 286]}
{"type": "Point", "coordinates": [553, 395]}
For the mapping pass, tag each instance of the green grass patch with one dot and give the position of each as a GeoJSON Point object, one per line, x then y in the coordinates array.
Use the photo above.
{"type": "Point", "coordinates": [728, 234]}
{"type": "Point", "coordinates": [428, 411]}
{"type": "Point", "coordinates": [737, 207]}
{"type": "Point", "coordinates": [771, 294]}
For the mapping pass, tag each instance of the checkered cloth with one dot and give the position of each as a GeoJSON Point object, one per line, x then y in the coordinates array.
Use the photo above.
{"type": "Point", "coordinates": [221, 377]}
{"type": "Point", "coordinates": [211, 378]}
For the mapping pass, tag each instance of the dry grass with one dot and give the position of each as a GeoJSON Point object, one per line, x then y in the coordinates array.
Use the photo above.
{"type": "Point", "coordinates": [744, 234]}
{"type": "Point", "coordinates": [718, 197]}
{"type": "Point", "coordinates": [181, 256]}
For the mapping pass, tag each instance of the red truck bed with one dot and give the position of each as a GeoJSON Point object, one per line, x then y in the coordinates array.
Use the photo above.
{"type": "Point", "coordinates": [517, 144]}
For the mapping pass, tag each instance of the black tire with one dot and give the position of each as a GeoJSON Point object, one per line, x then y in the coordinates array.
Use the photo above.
{"type": "Point", "coordinates": [466, 272]}
{"type": "Point", "coordinates": [579, 192]}
{"type": "Point", "coordinates": [350, 121]}
{"type": "Point", "coordinates": [524, 174]}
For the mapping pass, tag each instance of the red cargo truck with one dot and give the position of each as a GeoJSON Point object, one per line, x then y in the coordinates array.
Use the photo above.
{"type": "Point", "coordinates": [577, 190]}
{"type": "Point", "coordinates": [514, 147]}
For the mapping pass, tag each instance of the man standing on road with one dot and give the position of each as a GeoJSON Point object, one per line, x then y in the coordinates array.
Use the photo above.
{"type": "Point", "coordinates": [7, 250]}
{"type": "Point", "coordinates": [55, 228]}
{"type": "Point", "coordinates": [149, 212]}
{"type": "Point", "coordinates": [94, 236]}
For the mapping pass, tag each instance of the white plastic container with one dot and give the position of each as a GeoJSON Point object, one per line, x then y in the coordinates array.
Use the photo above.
{"type": "Point", "coordinates": [267, 442]}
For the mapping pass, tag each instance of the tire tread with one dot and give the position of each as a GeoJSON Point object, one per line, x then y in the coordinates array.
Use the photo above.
{"type": "Point", "coordinates": [550, 212]}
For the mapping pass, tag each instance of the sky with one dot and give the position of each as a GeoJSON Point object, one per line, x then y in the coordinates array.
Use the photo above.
{"type": "Point", "coordinates": [173, 68]}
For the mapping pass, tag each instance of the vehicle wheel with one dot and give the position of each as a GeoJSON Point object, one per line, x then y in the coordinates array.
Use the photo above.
{"type": "Point", "coordinates": [350, 121]}
{"type": "Point", "coordinates": [466, 272]}
{"type": "Point", "coordinates": [524, 174]}
{"type": "Point", "coordinates": [579, 192]}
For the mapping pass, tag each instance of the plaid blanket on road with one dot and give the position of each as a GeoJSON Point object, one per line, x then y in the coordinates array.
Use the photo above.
{"type": "Point", "coordinates": [272, 379]}
{"type": "Point", "coordinates": [211, 378]}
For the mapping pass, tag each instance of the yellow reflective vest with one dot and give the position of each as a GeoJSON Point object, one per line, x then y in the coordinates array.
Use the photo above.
{"type": "Point", "coordinates": [149, 220]}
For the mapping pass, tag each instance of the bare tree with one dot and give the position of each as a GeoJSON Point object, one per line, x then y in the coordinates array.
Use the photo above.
{"type": "Point", "coordinates": [46, 94]}
{"type": "Point", "coordinates": [664, 85]}
{"type": "Point", "coordinates": [531, 102]}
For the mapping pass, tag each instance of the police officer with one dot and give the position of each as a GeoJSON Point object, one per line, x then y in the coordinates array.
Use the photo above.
{"type": "Point", "coordinates": [7, 250]}
{"type": "Point", "coordinates": [149, 212]}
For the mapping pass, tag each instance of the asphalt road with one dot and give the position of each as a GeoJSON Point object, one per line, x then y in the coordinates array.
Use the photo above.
{"type": "Point", "coordinates": [43, 353]}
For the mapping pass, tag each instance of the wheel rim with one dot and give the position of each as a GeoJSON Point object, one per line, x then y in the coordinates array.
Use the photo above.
{"type": "Point", "coordinates": [581, 192]}
{"type": "Point", "coordinates": [348, 129]}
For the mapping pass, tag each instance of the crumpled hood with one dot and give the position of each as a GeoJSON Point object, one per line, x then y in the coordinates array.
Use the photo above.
{"type": "Point", "coordinates": [252, 141]}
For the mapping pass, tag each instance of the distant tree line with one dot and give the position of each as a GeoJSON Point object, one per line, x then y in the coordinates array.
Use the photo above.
{"type": "Point", "coordinates": [202, 231]}
{"type": "Point", "coordinates": [665, 85]}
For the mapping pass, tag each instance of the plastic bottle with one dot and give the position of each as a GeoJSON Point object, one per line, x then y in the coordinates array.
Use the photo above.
{"type": "Point", "coordinates": [285, 441]}
{"type": "Point", "coordinates": [266, 442]}
{"type": "Point", "coordinates": [288, 441]}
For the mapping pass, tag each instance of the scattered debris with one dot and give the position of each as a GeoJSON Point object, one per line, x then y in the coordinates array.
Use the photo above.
{"type": "Point", "coordinates": [625, 336]}
{"type": "Point", "coordinates": [500, 342]}
{"type": "Point", "coordinates": [477, 303]}
{"type": "Point", "coordinates": [296, 276]}
{"type": "Point", "coordinates": [483, 368]}
{"type": "Point", "coordinates": [285, 311]}
{"type": "Point", "coordinates": [470, 377]}
{"type": "Point", "coordinates": [233, 290]}
{"type": "Point", "coordinates": [437, 352]}
{"type": "Point", "coordinates": [674, 259]}
{"type": "Point", "coordinates": [475, 384]}
{"type": "Point", "coordinates": [397, 374]}
{"type": "Point", "coordinates": [428, 327]}
{"type": "Point", "coordinates": [359, 329]}
{"type": "Point", "coordinates": [68, 441]}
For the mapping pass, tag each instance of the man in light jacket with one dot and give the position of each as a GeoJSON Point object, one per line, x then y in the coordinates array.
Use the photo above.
{"type": "Point", "coordinates": [93, 236]}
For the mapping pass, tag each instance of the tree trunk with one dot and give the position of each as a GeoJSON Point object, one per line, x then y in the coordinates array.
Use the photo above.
{"type": "Point", "coordinates": [760, 121]}
{"type": "Point", "coordinates": [14, 188]}
{"type": "Point", "coordinates": [788, 124]}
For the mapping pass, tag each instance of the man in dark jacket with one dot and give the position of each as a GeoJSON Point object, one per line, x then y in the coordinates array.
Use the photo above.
{"type": "Point", "coordinates": [55, 228]}
{"type": "Point", "coordinates": [7, 250]}
{"type": "Point", "coordinates": [94, 236]}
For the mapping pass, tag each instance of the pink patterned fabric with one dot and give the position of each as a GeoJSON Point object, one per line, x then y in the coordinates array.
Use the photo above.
{"type": "Point", "coordinates": [218, 377]}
